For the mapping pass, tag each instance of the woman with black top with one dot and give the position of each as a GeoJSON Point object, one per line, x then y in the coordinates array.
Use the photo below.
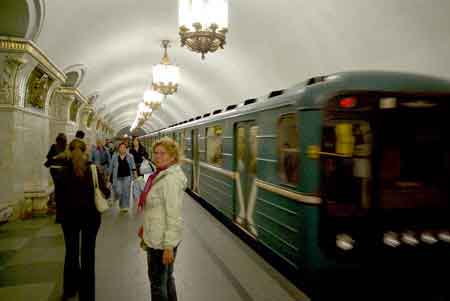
{"type": "Point", "coordinates": [78, 214]}
{"type": "Point", "coordinates": [55, 167]}
{"type": "Point", "coordinates": [139, 153]}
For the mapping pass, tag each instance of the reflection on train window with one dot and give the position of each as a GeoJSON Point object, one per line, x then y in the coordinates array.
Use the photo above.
{"type": "Point", "coordinates": [288, 149]}
{"type": "Point", "coordinates": [188, 144]}
{"type": "Point", "coordinates": [241, 149]}
{"type": "Point", "coordinates": [347, 173]}
{"type": "Point", "coordinates": [253, 149]}
{"type": "Point", "coordinates": [415, 156]}
{"type": "Point", "coordinates": [214, 145]}
{"type": "Point", "coordinates": [181, 141]}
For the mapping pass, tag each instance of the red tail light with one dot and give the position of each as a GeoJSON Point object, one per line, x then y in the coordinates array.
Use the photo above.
{"type": "Point", "coordinates": [347, 102]}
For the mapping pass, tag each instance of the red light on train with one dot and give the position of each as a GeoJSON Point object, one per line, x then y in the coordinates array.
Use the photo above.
{"type": "Point", "coordinates": [348, 102]}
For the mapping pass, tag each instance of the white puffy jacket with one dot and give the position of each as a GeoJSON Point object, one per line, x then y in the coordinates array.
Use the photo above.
{"type": "Point", "coordinates": [163, 220]}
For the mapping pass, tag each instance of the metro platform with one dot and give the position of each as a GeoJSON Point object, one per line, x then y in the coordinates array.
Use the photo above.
{"type": "Point", "coordinates": [212, 263]}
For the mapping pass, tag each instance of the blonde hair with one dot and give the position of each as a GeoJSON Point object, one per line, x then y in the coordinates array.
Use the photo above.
{"type": "Point", "coordinates": [78, 156]}
{"type": "Point", "coordinates": [170, 146]}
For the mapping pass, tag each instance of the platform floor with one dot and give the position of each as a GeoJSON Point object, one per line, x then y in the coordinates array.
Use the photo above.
{"type": "Point", "coordinates": [211, 264]}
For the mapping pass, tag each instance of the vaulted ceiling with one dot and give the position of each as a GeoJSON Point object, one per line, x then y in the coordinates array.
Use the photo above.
{"type": "Point", "coordinates": [270, 45]}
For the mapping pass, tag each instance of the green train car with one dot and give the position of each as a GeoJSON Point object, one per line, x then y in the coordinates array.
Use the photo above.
{"type": "Point", "coordinates": [333, 179]}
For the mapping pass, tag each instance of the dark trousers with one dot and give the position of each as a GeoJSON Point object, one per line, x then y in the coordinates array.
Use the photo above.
{"type": "Point", "coordinates": [76, 278]}
{"type": "Point", "coordinates": [162, 282]}
{"type": "Point", "coordinates": [56, 177]}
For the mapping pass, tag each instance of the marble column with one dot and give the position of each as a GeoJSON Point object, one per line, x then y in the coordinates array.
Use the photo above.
{"type": "Point", "coordinates": [59, 115]}
{"type": "Point", "coordinates": [27, 78]}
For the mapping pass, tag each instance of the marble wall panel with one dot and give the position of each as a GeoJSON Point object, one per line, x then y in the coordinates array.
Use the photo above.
{"type": "Point", "coordinates": [10, 191]}
{"type": "Point", "coordinates": [35, 133]}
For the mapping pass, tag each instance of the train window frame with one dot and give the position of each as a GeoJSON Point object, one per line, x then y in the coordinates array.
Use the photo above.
{"type": "Point", "coordinates": [181, 142]}
{"type": "Point", "coordinates": [219, 162]}
{"type": "Point", "coordinates": [201, 142]}
{"type": "Point", "coordinates": [280, 168]}
{"type": "Point", "coordinates": [356, 150]}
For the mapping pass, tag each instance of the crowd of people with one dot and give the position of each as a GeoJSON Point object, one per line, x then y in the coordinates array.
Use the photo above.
{"type": "Point", "coordinates": [121, 168]}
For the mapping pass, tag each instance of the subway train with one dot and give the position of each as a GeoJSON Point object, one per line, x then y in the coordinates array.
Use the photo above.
{"type": "Point", "coordinates": [333, 180]}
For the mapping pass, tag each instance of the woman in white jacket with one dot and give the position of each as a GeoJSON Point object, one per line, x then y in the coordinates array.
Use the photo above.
{"type": "Point", "coordinates": [162, 200]}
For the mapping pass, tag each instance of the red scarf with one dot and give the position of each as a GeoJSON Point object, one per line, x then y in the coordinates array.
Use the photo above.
{"type": "Point", "coordinates": [147, 187]}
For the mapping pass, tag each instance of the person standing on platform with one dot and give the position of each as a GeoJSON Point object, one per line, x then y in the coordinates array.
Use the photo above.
{"type": "Point", "coordinates": [79, 135]}
{"type": "Point", "coordinates": [100, 157]}
{"type": "Point", "coordinates": [56, 167]}
{"type": "Point", "coordinates": [139, 153]}
{"type": "Point", "coordinates": [162, 202]}
{"type": "Point", "coordinates": [122, 170]}
{"type": "Point", "coordinates": [79, 214]}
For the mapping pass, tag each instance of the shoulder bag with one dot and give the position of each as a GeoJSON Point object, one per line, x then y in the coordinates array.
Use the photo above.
{"type": "Point", "coordinates": [100, 202]}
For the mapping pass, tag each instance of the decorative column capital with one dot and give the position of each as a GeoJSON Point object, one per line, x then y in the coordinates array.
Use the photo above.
{"type": "Point", "coordinates": [12, 45]}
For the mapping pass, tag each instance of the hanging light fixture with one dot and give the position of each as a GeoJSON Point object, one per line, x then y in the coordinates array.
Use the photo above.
{"type": "Point", "coordinates": [153, 99]}
{"type": "Point", "coordinates": [165, 75]}
{"type": "Point", "coordinates": [203, 24]}
{"type": "Point", "coordinates": [144, 111]}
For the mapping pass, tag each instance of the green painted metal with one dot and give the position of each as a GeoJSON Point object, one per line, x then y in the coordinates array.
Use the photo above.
{"type": "Point", "coordinates": [310, 127]}
{"type": "Point", "coordinates": [289, 228]}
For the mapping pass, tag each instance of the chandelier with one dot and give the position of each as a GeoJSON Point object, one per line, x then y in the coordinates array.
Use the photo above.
{"type": "Point", "coordinates": [203, 24]}
{"type": "Point", "coordinates": [153, 99]}
{"type": "Point", "coordinates": [165, 75]}
{"type": "Point", "coordinates": [144, 112]}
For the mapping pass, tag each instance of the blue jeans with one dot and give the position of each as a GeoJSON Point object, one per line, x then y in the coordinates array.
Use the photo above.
{"type": "Point", "coordinates": [122, 190]}
{"type": "Point", "coordinates": [162, 282]}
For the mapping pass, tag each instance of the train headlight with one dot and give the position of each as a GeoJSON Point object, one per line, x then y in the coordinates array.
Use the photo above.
{"type": "Point", "coordinates": [391, 239]}
{"type": "Point", "coordinates": [428, 238]}
{"type": "Point", "coordinates": [409, 239]}
{"type": "Point", "coordinates": [444, 236]}
{"type": "Point", "coordinates": [344, 242]}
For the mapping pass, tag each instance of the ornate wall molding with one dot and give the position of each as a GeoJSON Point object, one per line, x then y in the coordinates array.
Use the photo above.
{"type": "Point", "coordinates": [10, 71]}
{"type": "Point", "coordinates": [16, 45]}
{"type": "Point", "coordinates": [38, 87]}
{"type": "Point", "coordinates": [81, 112]}
{"type": "Point", "coordinates": [9, 108]}
{"type": "Point", "coordinates": [79, 71]}
{"type": "Point", "coordinates": [72, 91]}
{"type": "Point", "coordinates": [36, 17]}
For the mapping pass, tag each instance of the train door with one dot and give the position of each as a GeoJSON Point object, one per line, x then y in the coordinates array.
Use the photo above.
{"type": "Point", "coordinates": [196, 161]}
{"type": "Point", "coordinates": [246, 147]}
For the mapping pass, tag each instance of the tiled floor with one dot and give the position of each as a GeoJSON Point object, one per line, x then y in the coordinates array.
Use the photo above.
{"type": "Point", "coordinates": [212, 264]}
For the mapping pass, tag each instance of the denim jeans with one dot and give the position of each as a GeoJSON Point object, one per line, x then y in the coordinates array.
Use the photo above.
{"type": "Point", "coordinates": [122, 190]}
{"type": "Point", "coordinates": [162, 282]}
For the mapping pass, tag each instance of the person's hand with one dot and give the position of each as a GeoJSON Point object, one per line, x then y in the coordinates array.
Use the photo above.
{"type": "Point", "coordinates": [167, 257]}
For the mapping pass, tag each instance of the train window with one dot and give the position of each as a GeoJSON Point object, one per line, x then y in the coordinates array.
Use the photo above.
{"type": "Point", "coordinates": [181, 135]}
{"type": "Point", "coordinates": [414, 154]}
{"type": "Point", "coordinates": [201, 144]}
{"type": "Point", "coordinates": [288, 149]}
{"type": "Point", "coordinates": [214, 145]}
{"type": "Point", "coordinates": [347, 173]}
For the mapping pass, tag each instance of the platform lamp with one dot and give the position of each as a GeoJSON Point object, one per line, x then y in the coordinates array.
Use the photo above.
{"type": "Point", "coordinates": [153, 99]}
{"type": "Point", "coordinates": [203, 24]}
{"type": "Point", "coordinates": [165, 74]}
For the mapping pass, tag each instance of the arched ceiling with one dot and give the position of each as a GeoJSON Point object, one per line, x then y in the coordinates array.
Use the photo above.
{"type": "Point", "coordinates": [270, 45]}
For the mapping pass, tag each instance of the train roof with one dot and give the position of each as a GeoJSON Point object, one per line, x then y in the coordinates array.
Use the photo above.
{"type": "Point", "coordinates": [376, 81]}
{"type": "Point", "coordinates": [316, 91]}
